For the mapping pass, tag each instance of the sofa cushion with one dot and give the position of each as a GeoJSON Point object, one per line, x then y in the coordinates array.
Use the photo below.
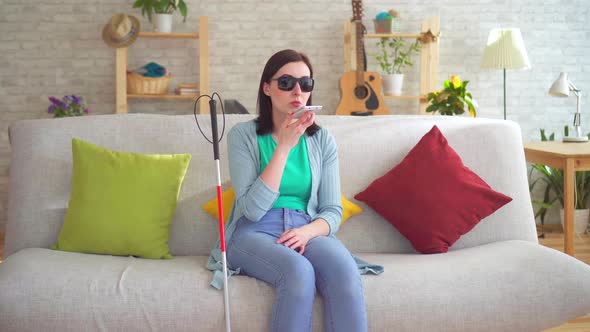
{"type": "Point", "coordinates": [431, 197]}
{"type": "Point", "coordinates": [228, 200]}
{"type": "Point", "coordinates": [349, 209]}
{"type": "Point", "coordinates": [121, 202]}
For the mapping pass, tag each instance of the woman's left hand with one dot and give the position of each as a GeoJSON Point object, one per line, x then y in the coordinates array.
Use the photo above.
{"type": "Point", "coordinates": [295, 238]}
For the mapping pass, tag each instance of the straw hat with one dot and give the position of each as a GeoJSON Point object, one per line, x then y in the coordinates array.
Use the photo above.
{"type": "Point", "coordinates": [121, 30]}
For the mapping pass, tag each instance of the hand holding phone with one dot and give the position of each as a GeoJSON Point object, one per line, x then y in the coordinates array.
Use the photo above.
{"type": "Point", "coordinates": [300, 111]}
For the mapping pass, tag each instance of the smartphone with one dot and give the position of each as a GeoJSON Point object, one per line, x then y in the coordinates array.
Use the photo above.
{"type": "Point", "coordinates": [300, 111]}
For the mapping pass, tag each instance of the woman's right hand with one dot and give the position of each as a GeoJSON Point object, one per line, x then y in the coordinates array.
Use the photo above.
{"type": "Point", "coordinates": [287, 137]}
{"type": "Point", "coordinates": [290, 131]}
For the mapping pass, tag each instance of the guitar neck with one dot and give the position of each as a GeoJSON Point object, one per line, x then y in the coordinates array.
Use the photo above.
{"type": "Point", "coordinates": [360, 54]}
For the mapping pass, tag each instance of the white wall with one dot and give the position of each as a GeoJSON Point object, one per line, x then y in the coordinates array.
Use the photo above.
{"type": "Point", "coordinates": [52, 48]}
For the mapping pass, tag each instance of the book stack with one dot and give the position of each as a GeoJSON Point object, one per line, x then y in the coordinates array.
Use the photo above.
{"type": "Point", "coordinates": [187, 89]}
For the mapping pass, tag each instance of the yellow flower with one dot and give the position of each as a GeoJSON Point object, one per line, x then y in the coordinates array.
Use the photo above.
{"type": "Point", "coordinates": [456, 81]}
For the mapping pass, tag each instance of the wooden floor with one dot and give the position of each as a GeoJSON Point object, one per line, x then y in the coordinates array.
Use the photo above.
{"type": "Point", "coordinates": [553, 239]}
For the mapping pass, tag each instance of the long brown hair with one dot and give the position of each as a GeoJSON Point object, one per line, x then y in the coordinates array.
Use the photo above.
{"type": "Point", "coordinates": [276, 62]}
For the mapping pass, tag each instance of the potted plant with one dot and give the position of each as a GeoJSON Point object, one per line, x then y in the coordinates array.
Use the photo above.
{"type": "Point", "coordinates": [453, 99]}
{"type": "Point", "coordinates": [162, 11]}
{"type": "Point", "coordinates": [67, 106]}
{"type": "Point", "coordinates": [553, 179]}
{"type": "Point", "coordinates": [393, 56]}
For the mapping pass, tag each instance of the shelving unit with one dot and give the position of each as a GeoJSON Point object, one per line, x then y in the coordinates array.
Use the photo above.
{"type": "Point", "coordinates": [203, 56]}
{"type": "Point", "coordinates": [429, 41]}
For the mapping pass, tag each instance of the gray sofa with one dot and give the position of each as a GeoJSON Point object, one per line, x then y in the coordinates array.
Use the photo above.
{"type": "Point", "coordinates": [495, 278]}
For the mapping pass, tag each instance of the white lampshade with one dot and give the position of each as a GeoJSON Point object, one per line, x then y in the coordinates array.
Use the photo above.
{"type": "Point", "coordinates": [505, 50]}
{"type": "Point", "coordinates": [560, 87]}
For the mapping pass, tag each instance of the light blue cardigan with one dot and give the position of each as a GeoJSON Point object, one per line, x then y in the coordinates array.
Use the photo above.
{"type": "Point", "coordinates": [253, 198]}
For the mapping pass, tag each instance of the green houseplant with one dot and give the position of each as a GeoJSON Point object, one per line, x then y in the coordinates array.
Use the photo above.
{"type": "Point", "coordinates": [452, 99]}
{"type": "Point", "coordinates": [553, 180]}
{"type": "Point", "coordinates": [150, 7]}
{"type": "Point", "coordinates": [393, 56]}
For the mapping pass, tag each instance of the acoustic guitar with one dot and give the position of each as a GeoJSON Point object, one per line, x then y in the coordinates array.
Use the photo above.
{"type": "Point", "coordinates": [360, 91]}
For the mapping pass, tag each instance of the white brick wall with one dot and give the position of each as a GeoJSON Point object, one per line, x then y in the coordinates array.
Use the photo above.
{"type": "Point", "coordinates": [52, 48]}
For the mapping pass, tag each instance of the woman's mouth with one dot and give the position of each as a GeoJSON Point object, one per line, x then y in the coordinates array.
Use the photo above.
{"type": "Point", "coordinates": [296, 104]}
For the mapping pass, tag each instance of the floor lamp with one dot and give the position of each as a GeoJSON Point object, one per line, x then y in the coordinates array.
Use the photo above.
{"type": "Point", "coordinates": [505, 50]}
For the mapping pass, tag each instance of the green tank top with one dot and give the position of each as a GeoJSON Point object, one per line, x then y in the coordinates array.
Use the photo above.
{"type": "Point", "coordinates": [295, 188]}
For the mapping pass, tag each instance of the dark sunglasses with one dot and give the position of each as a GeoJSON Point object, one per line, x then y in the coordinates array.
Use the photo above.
{"type": "Point", "coordinates": [287, 83]}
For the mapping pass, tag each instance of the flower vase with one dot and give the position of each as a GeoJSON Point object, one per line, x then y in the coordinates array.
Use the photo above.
{"type": "Point", "coordinates": [392, 84]}
{"type": "Point", "coordinates": [162, 23]}
{"type": "Point", "coordinates": [387, 81]}
{"type": "Point", "coordinates": [581, 217]}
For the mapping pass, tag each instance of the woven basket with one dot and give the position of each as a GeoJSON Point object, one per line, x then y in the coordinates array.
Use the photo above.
{"type": "Point", "coordinates": [141, 85]}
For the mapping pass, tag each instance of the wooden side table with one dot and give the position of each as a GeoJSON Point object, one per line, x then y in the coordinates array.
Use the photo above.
{"type": "Point", "coordinates": [570, 157]}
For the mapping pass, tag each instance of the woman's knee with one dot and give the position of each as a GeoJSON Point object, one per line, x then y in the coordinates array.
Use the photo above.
{"type": "Point", "coordinates": [329, 254]}
{"type": "Point", "coordinates": [335, 267]}
{"type": "Point", "coordinates": [343, 279]}
{"type": "Point", "coordinates": [297, 280]}
{"type": "Point", "coordinates": [297, 275]}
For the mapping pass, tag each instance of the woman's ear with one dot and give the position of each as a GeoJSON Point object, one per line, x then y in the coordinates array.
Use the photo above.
{"type": "Point", "coordinates": [266, 89]}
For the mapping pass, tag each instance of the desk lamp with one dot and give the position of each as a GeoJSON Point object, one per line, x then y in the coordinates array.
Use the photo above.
{"type": "Point", "coordinates": [561, 88]}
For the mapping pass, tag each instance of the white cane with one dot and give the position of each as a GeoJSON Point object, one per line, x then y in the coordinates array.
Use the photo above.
{"type": "Point", "coordinates": [215, 142]}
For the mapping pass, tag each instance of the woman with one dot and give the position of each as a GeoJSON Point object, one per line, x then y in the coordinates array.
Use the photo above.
{"type": "Point", "coordinates": [287, 208]}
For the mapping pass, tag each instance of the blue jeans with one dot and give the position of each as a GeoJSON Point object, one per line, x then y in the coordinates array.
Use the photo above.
{"type": "Point", "coordinates": [325, 264]}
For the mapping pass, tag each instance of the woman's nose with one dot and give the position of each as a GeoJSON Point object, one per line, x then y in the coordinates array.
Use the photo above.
{"type": "Point", "coordinates": [297, 89]}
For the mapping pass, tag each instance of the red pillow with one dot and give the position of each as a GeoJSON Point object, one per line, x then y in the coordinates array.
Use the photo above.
{"type": "Point", "coordinates": [430, 197]}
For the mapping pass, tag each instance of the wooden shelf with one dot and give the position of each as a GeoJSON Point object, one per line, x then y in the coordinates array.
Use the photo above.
{"type": "Point", "coordinates": [167, 96]}
{"type": "Point", "coordinates": [429, 37]}
{"type": "Point", "coordinates": [394, 35]}
{"type": "Point", "coordinates": [168, 35]}
{"type": "Point", "coordinates": [421, 98]}
{"type": "Point", "coordinates": [121, 61]}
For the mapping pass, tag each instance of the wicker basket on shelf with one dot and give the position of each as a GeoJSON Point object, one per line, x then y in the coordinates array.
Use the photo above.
{"type": "Point", "coordinates": [141, 85]}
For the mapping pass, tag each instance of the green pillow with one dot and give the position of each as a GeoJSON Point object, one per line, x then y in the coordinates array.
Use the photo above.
{"type": "Point", "coordinates": [121, 203]}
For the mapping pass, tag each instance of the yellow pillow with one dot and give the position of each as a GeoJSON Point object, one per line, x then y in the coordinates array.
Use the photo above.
{"type": "Point", "coordinates": [228, 200]}
{"type": "Point", "coordinates": [349, 209]}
